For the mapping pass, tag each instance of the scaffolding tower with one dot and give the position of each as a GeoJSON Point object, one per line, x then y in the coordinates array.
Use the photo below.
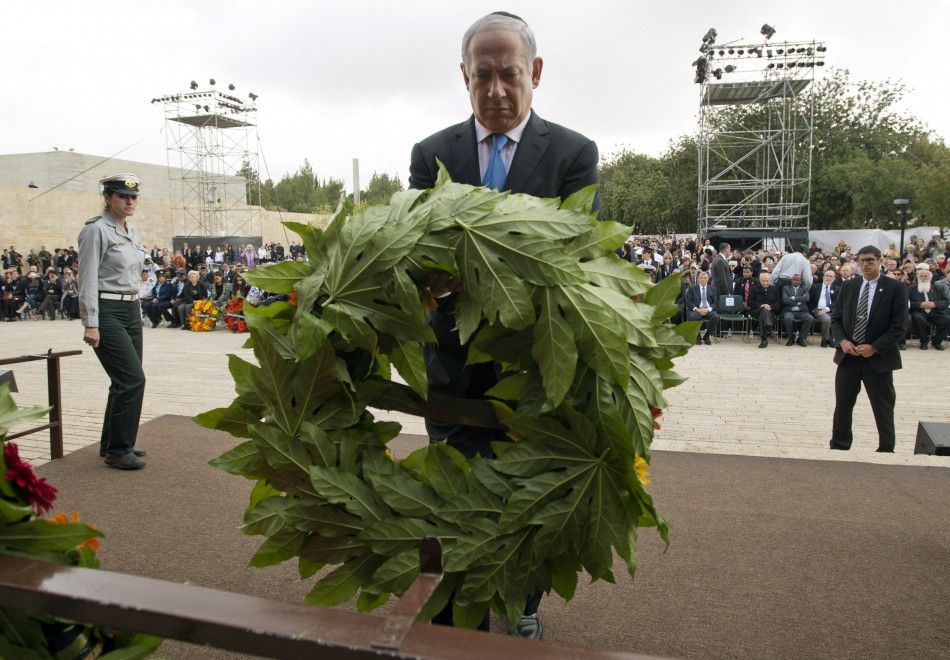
{"type": "Point", "coordinates": [755, 138]}
{"type": "Point", "coordinates": [213, 152]}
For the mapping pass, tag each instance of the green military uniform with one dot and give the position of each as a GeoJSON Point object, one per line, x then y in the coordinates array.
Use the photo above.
{"type": "Point", "coordinates": [110, 262]}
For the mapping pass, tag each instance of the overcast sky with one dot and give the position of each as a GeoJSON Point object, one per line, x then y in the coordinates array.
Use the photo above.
{"type": "Point", "coordinates": [367, 79]}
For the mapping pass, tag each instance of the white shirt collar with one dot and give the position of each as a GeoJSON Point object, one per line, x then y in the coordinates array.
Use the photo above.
{"type": "Point", "coordinates": [514, 134]}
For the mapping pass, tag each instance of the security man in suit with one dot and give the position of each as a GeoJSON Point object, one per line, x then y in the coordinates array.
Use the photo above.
{"type": "Point", "coordinates": [111, 258]}
{"type": "Point", "coordinates": [867, 320]}
{"type": "Point", "coordinates": [504, 145]}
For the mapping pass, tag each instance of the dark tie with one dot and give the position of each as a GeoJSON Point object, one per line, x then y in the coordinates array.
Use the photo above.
{"type": "Point", "coordinates": [496, 174]}
{"type": "Point", "coordinates": [861, 323]}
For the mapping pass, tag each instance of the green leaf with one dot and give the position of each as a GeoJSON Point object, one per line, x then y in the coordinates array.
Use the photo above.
{"type": "Point", "coordinates": [617, 275]}
{"type": "Point", "coordinates": [446, 470]}
{"type": "Point", "coordinates": [10, 416]}
{"type": "Point", "coordinates": [261, 491]}
{"type": "Point", "coordinates": [12, 512]}
{"type": "Point", "coordinates": [279, 547]}
{"type": "Point", "coordinates": [599, 338]}
{"type": "Point", "coordinates": [390, 536]}
{"type": "Point", "coordinates": [404, 494]}
{"type": "Point", "coordinates": [262, 327]}
{"type": "Point", "coordinates": [265, 517]}
{"type": "Point", "coordinates": [665, 291]}
{"type": "Point", "coordinates": [310, 515]}
{"type": "Point", "coordinates": [245, 460]}
{"type": "Point", "coordinates": [331, 549]}
{"type": "Point", "coordinates": [40, 535]}
{"type": "Point", "coordinates": [349, 491]}
{"type": "Point", "coordinates": [279, 277]}
{"type": "Point", "coordinates": [396, 574]}
{"type": "Point", "coordinates": [340, 585]}
{"type": "Point", "coordinates": [367, 602]}
{"type": "Point", "coordinates": [283, 449]}
{"type": "Point", "coordinates": [602, 239]}
{"type": "Point", "coordinates": [234, 420]}
{"type": "Point", "coordinates": [408, 361]}
{"type": "Point", "coordinates": [564, 580]}
{"type": "Point", "coordinates": [582, 200]}
{"type": "Point", "coordinates": [553, 348]}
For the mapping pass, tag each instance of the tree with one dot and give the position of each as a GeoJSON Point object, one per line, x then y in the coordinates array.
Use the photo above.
{"type": "Point", "coordinates": [381, 187]}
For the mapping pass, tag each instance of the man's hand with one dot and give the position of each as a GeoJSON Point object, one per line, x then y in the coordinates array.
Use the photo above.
{"type": "Point", "coordinates": [821, 312]}
{"type": "Point", "coordinates": [768, 307]}
{"type": "Point", "coordinates": [865, 350]}
{"type": "Point", "coordinates": [91, 336]}
{"type": "Point", "coordinates": [847, 347]}
{"type": "Point", "coordinates": [929, 304]}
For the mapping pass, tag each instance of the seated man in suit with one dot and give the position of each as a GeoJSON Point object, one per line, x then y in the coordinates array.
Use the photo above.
{"type": "Point", "coordinates": [795, 308]}
{"type": "Point", "coordinates": [702, 305]}
{"type": "Point", "coordinates": [765, 301]}
{"type": "Point", "coordinates": [504, 145]}
{"type": "Point", "coordinates": [744, 286]}
{"type": "Point", "coordinates": [821, 301]}
{"type": "Point", "coordinates": [928, 307]}
{"type": "Point", "coordinates": [161, 299]}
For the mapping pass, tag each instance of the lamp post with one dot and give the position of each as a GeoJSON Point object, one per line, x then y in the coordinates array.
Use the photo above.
{"type": "Point", "coordinates": [901, 204]}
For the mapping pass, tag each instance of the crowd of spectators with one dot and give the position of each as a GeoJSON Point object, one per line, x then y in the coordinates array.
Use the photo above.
{"type": "Point", "coordinates": [794, 290]}
{"type": "Point", "coordinates": [43, 285]}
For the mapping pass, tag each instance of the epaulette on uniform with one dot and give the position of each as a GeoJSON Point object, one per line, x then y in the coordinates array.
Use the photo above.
{"type": "Point", "coordinates": [92, 220]}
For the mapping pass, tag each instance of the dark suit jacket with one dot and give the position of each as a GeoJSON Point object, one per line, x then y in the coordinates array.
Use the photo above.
{"type": "Point", "coordinates": [551, 161]}
{"type": "Point", "coordinates": [937, 296]}
{"type": "Point", "coordinates": [816, 293]}
{"type": "Point", "coordinates": [692, 297]}
{"type": "Point", "coordinates": [761, 296]}
{"type": "Point", "coordinates": [886, 324]}
{"type": "Point", "coordinates": [720, 274]}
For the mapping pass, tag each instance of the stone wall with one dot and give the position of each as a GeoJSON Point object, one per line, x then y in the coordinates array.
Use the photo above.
{"type": "Point", "coordinates": [56, 218]}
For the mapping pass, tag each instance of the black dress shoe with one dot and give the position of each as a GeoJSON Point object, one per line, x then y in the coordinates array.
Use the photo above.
{"type": "Point", "coordinates": [802, 343]}
{"type": "Point", "coordinates": [707, 340]}
{"type": "Point", "coordinates": [699, 341]}
{"type": "Point", "coordinates": [763, 343]}
{"type": "Point", "coordinates": [125, 461]}
{"type": "Point", "coordinates": [135, 450]}
{"type": "Point", "coordinates": [790, 342]}
{"type": "Point", "coordinates": [938, 347]}
{"type": "Point", "coordinates": [923, 347]}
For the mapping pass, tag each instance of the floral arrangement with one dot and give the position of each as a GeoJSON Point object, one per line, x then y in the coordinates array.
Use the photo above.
{"type": "Point", "coordinates": [60, 539]}
{"type": "Point", "coordinates": [586, 350]}
{"type": "Point", "coordinates": [204, 315]}
{"type": "Point", "coordinates": [234, 315]}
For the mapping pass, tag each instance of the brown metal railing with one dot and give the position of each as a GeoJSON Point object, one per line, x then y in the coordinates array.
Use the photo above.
{"type": "Point", "coordinates": [256, 625]}
{"type": "Point", "coordinates": [54, 385]}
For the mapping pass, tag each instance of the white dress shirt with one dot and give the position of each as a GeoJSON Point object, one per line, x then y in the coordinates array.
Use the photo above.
{"type": "Point", "coordinates": [871, 292]}
{"type": "Point", "coordinates": [484, 140]}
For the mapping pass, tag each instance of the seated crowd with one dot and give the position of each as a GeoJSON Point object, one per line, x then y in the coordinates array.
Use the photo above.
{"type": "Point", "coordinates": [45, 285]}
{"type": "Point", "coordinates": [793, 292]}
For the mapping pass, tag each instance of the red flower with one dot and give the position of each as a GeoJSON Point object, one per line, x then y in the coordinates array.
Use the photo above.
{"type": "Point", "coordinates": [292, 298]}
{"type": "Point", "coordinates": [37, 492]}
{"type": "Point", "coordinates": [656, 412]}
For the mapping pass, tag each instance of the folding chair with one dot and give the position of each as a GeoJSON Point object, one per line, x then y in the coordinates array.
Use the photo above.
{"type": "Point", "coordinates": [730, 310]}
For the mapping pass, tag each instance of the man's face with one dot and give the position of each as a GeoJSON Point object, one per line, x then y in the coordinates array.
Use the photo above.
{"type": "Point", "coordinates": [703, 278]}
{"type": "Point", "coordinates": [747, 273]}
{"type": "Point", "coordinates": [828, 277]}
{"type": "Point", "coordinates": [765, 279]}
{"type": "Point", "coordinates": [870, 265]}
{"type": "Point", "coordinates": [847, 270]}
{"type": "Point", "coordinates": [923, 276]}
{"type": "Point", "coordinates": [796, 279]}
{"type": "Point", "coordinates": [500, 82]}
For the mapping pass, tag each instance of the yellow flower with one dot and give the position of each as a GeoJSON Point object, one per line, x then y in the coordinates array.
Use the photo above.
{"type": "Point", "coordinates": [642, 468]}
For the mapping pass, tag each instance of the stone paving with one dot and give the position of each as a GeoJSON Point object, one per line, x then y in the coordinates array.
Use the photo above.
{"type": "Point", "coordinates": [738, 399]}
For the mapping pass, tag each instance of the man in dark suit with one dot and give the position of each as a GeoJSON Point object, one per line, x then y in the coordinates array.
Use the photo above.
{"type": "Point", "coordinates": [719, 271]}
{"type": "Point", "coordinates": [765, 302]}
{"type": "Point", "coordinates": [702, 305]}
{"type": "Point", "coordinates": [821, 302]}
{"type": "Point", "coordinates": [795, 310]}
{"type": "Point", "coordinates": [504, 145]}
{"type": "Point", "coordinates": [928, 306]}
{"type": "Point", "coordinates": [868, 319]}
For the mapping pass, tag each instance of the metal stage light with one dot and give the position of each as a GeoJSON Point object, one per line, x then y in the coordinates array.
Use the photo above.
{"type": "Point", "coordinates": [252, 96]}
{"type": "Point", "coordinates": [767, 31]}
{"type": "Point", "coordinates": [211, 82]}
{"type": "Point", "coordinates": [710, 36]}
{"type": "Point", "coordinates": [194, 85]}
{"type": "Point", "coordinates": [730, 68]}
{"type": "Point", "coordinates": [718, 74]}
{"type": "Point", "coordinates": [231, 87]}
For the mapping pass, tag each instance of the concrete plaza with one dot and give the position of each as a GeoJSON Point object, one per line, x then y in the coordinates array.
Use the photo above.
{"type": "Point", "coordinates": [738, 399]}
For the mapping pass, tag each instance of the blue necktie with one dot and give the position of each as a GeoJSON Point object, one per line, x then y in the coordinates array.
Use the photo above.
{"type": "Point", "coordinates": [496, 174]}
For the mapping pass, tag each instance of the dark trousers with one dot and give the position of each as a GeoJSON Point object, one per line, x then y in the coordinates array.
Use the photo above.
{"type": "Point", "coordinates": [852, 372]}
{"type": "Point", "coordinates": [120, 353]}
{"type": "Point", "coordinates": [922, 321]}
{"type": "Point", "coordinates": [765, 321]}
{"type": "Point", "coordinates": [807, 320]}
{"type": "Point", "coordinates": [711, 321]}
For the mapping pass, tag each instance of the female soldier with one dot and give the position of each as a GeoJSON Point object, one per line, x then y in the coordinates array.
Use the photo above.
{"type": "Point", "coordinates": [110, 262]}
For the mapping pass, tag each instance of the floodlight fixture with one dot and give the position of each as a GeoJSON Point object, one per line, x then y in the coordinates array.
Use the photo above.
{"type": "Point", "coordinates": [767, 31]}
{"type": "Point", "coordinates": [718, 74]}
{"type": "Point", "coordinates": [730, 68]}
{"type": "Point", "coordinates": [32, 185]}
{"type": "Point", "coordinates": [231, 87]}
{"type": "Point", "coordinates": [207, 109]}
{"type": "Point", "coordinates": [252, 96]}
{"type": "Point", "coordinates": [211, 82]}
{"type": "Point", "coordinates": [194, 85]}
{"type": "Point", "coordinates": [710, 36]}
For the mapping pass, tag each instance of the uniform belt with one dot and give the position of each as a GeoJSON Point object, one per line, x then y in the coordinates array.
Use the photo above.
{"type": "Point", "coordinates": [107, 295]}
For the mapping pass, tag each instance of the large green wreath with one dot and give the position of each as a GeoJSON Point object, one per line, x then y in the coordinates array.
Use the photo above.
{"type": "Point", "coordinates": [581, 335]}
